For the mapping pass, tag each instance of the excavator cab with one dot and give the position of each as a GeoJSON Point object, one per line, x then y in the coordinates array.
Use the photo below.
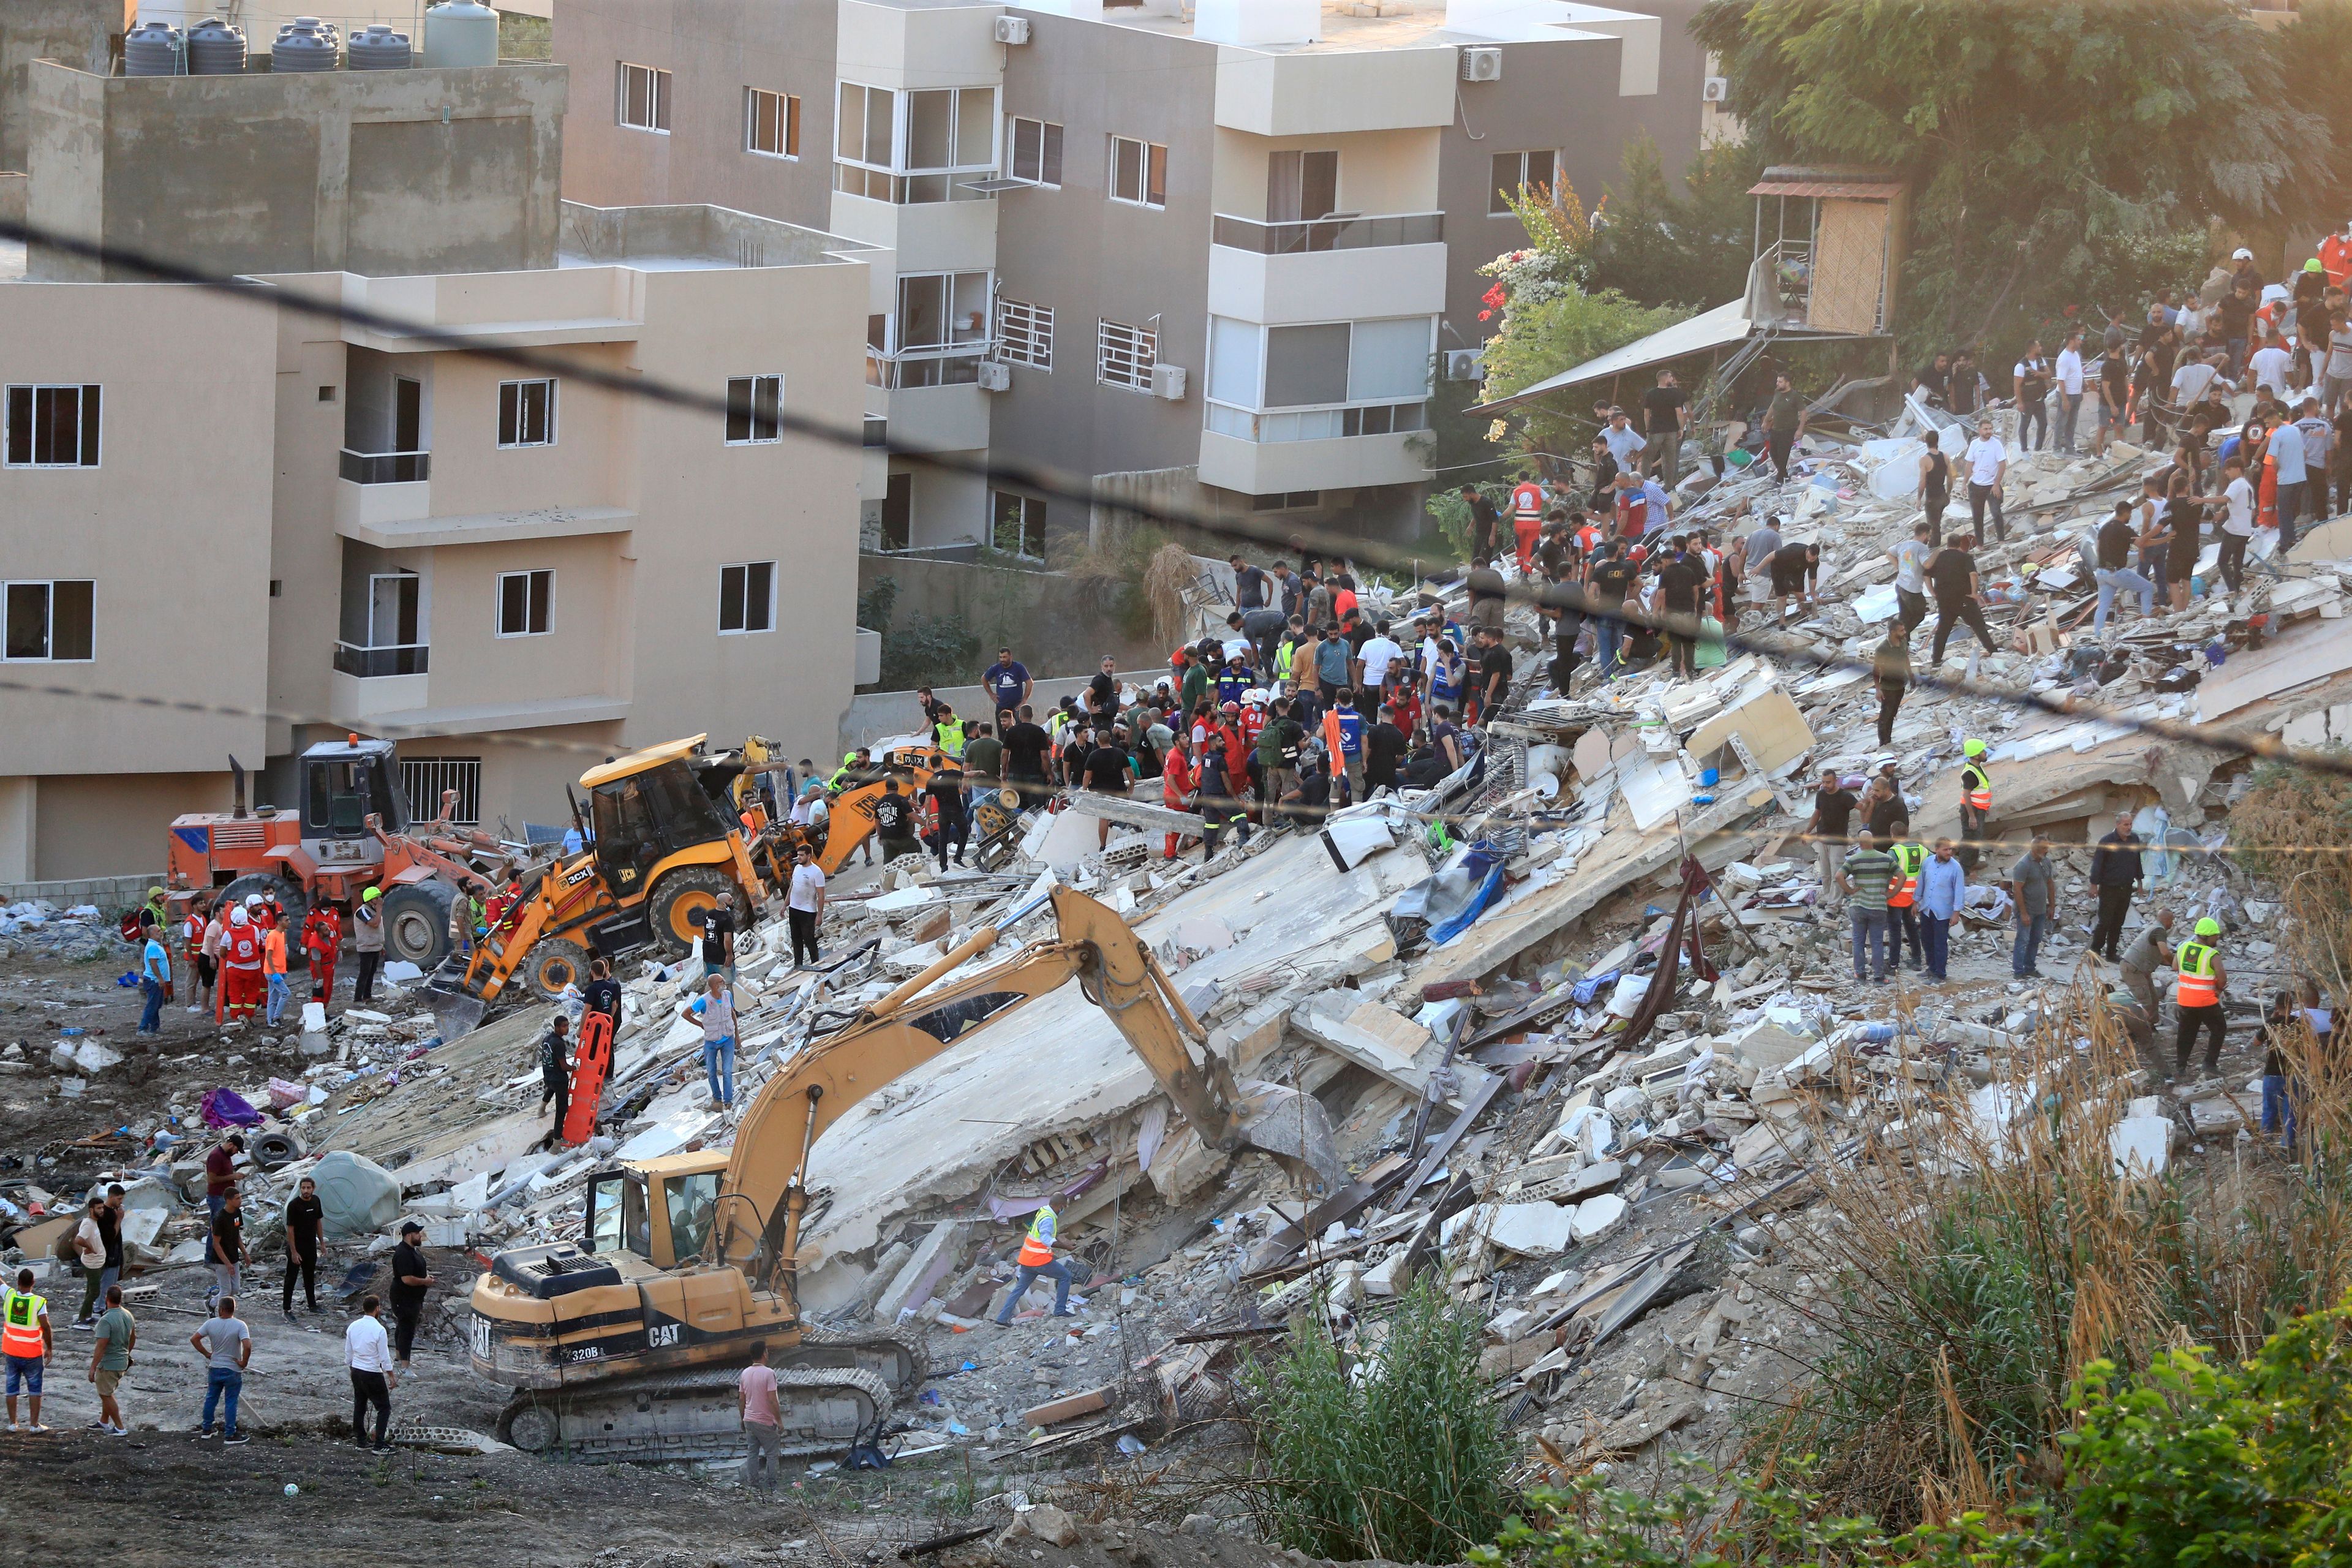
{"type": "Point", "coordinates": [343, 784]}
{"type": "Point", "coordinates": [663, 1210]}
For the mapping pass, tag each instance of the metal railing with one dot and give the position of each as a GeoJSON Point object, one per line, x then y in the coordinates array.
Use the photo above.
{"type": "Point", "coordinates": [373, 663]}
{"type": "Point", "coordinates": [1340, 231]}
{"type": "Point", "coordinates": [386, 468]}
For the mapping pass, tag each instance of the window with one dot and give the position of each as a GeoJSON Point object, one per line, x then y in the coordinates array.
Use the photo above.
{"type": "Point", "coordinates": [1301, 185]}
{"type": "Point", "coordinates": [914, 146]}
{"type": "Point", "coordinates": [51, 622]}
{"type": "Point", "coordinates": [938, 335]}
{"type": "Point", "coordinates": [527, 413]}
{"type": "Point", "coordinates": [1124, 355]}
{"type": "Point", "coordinates": [526, 601]}
{"type": "Point", "coordinates": [425, 780]}
{"type": "Point", "coordinates": [754, 410]}
{"type": "Point", "coordinates": [1346, 378]}
{"type": "Point", "coordinates": [1036, 150]}
{"type": "Point", "coordinates": [1514, 173]}
{"type": "Point", "coordinates": [643, 98]}
{"type": "Point", "coordinates": [771, 123]}
{"type": "Point", "coordinates": [1020, 524]}
{"type": "Point", "coordinates": [747, 597]}
{"type": "Point", "coordinates": [325, 394]}
{"type": "Point", "coordinates": [53, 426]}
{"type": "Point", "coordinates": [1024, 334]}
{"type": "Point", "coordinates": [1139, 172]}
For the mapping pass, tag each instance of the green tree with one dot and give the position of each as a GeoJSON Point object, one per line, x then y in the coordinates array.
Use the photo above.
{"type": "Point", "coordinates": [1559, 331]}
{"type": "Point", "coordinates": [1663, 241]}
{"type": "Point", "coordinates": [2037, 137]}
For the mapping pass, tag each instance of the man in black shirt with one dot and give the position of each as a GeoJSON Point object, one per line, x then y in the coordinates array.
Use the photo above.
{"type": "Point", "coordinates": [894, 821]}
{"type": "Point", "coordinates": [410, 1280]}
{"type": "Point", "coordinates": [302, 1218]}
{"type": "Point", "coordinates": [1106, 772]}
{"type": "Point", "coordinates": [1679, 582]}
{"type": "Point", "coordinates": [719, 939]}
{"type": "Point", "coordinates": [2115, 872]}
{"type": "Point", "coordinates": [1485, 521]}
{"type": "Point", "coordinates": [1664, 409]}
{"type": "Point", "coordinates": [554, 1073]}
{"type": "Point", "coordinates": [1565, 597]}
{"type": "Point", "coordinates": [1827, 829]}
{"type": "Point", "coordinates": [603, 992]}
{"type": "Point", "coordinates": [946, 793]}
{"type": "Point", "coordinates": [1102, 691]}
{"type": "Point", "coordinates": [1611, 579]}
{"type": "Point", "coordinates": [1952, 577]}
{"type": "Point", "coordinates": [1967, 387]}
{"type": "Point", "coordinates": [1384, 747]}
{"type": "Point", "coordinates": [1025, 747]}
{"type": "Point", "coordinates": [1494, 675]}
{"type": "Point", "coordinates": [1797, 570]}
{"type": "Point", "coordinates": [226, 1249]}
{"type": "Point", "coordinates": [1249, 585]}
{"type": "Point", "coordinates": [2112, 552]}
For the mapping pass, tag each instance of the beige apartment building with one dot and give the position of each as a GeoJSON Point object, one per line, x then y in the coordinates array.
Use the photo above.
{"type": "Point", "coordinates": [1216, 253]}
{"type": "Point", "coordinates": [307, 526]}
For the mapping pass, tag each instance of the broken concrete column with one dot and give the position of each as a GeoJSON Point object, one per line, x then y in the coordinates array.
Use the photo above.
{"type": "Point", "coordinates": [925, 1265]}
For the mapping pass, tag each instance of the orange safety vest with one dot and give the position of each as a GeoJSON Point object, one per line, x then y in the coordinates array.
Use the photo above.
{"type": "Point", "coordinates": [1907, 860]}
{"type": "Point", "coordinates": [1037, 1245]}
{"type": "Point", "coordinates": [2195, 988]}
{"type": "Point", "coordinates": [1528, 500]}
{"type": "Point", "coordinates": [1976, 787]}
{"type": "Point", "coordinates": [20, 1324]}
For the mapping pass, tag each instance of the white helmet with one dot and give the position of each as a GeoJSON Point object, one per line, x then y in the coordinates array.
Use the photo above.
{"type": "Point", "coordinates": [252, 901]}
{"type": "Point", "coordinates": [237, 917]}
{"type": "Point", "coordinates": [1255, 696]}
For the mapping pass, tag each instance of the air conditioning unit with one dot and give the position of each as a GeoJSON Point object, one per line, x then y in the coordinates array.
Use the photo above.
{"type": "Point", "coordinates": [1482, 62]}
{"type": "Point", "coordinates": [1465, 364]}
{"type": "Point", "coordinates": [1168, 382]}
{"type": "Point", "coordinates": [995, 375]}
{"type": "Point", "coordinates": [1013, 29]}
{"type": "Point", "coordinates": [1716, 90]}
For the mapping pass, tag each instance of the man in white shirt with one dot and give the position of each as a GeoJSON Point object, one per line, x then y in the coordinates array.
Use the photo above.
{"type": "Point", "coordinates": [2238, 523]}
{"type": "Point", "coordinates": [2286, 447]}
{"type": "Point", "coordinates": [367, 1350]}
{"type": "Point", "coordinates": [2318, 449]}
{"type": "Point", "coordinates": [1377, 654]}
{"type": "Point", "coordinates": [804, 904]}
{"type": "Point", "coordinates": [1624, 442]}
{"type": "Point", "coordinates": [2069, 390]}
{"type": "Point", "coordinates": [1987, 464]}
{"type": "Point", "coordinates": [2191, 380]}
{"type": "Point", "coordinates": [2270, 366]}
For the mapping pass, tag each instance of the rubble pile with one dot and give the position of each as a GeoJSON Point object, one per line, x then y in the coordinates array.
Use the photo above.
{"type": "Point", "coordinates": [36, 927]}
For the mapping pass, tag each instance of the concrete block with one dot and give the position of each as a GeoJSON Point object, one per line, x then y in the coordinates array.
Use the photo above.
{"type": "Point", "coordinates": [2140, 1146]}
{"type": "Point", "coordinates": [1531, 1230]}
{"type": "Point", "coordinates": [1051, 1525]}
{"type": "Point", "coordinates": [1599, 1218]}
{"type": "Point", "coordinates": [1067, 1408]}
{"type": "Point", "coordinates": [919, 1275]}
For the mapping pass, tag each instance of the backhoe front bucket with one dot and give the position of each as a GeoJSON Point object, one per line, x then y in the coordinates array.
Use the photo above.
{"type": "Point", "coordinates": [1292, 1126]}
{"type": "Point", "coordinates": [456, 1012]}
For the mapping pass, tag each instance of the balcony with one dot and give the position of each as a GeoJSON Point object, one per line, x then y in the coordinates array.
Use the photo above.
{"type": "Point", "coordinates": [1308, 463]}
{"type": "Point", "coordinates": [386, 468]}
{"type": "Point", "coordinates": [376, 663]}
{"type": "Point", "coordinates": [1346, 267]}
{"type": "Point", "coordinates": [1340, 231]}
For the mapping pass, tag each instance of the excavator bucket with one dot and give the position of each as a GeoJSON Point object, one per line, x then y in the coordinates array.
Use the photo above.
{"type": "Point", "coordinates": [456, 1012]}
{"type": "Point", "coordinates": [1291, 1125]}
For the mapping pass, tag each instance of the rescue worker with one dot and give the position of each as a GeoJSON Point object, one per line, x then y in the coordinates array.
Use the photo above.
{"type": "Point", "coordinates": [1902, 905]}
{"type": "Point", "coordinates": [2196, 997]}
{"type": "Point", "coordinates": [948, 733]}
{"type": "Point", "coordinates": [367, 938]}
{"type": "Point", "coordinates": [1035, 1261]}
{"type": "Point", "coordinates": [1527, 520]}
{"type": "Point", "coordinates": [28, 1342]}
{"type": "Point", "coordinates": [200, 958]}
{"type": "Point", "coordinates": [1976, 792]}
{"type": "Point", "coordinates": [155, 907]}
{"type": "Point", "coordinates": [555, 1071]}
{"type": "Point", "coordinates": [2146, 955]}
{"type": "Point", "coordinates": [240, 969]}
{"type": "Point", "coordinates": [1176, 782]}
{"type": "Point", "coordinates": [323, 938]}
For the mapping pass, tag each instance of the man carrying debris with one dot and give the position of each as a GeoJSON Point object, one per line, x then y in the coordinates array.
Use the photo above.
{"type": "Point", "coordinates": [2197, 998]}
{"type": "Point", "coordinates": [28, 1342]}
{"type": "Point", "coordinates": [2116, 873]}
{"type": "Point", "coordinates": [554, 1077]}
{"type": "Point", "coordinates": [1035, 1261]}
{"type": "Point", "coordinates": [1943, 888]}
{"type": "Point", "coordinates": [1826, 829]}
{"type": "Point", "coordinates": [1871, 883]}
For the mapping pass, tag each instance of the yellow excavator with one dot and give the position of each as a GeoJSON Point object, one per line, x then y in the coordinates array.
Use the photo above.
{"type": "Point", "coordinates": [625, 1345]}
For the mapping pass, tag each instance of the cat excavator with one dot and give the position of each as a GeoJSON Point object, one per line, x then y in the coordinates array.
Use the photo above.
{"type": "Point", "coordinates": [626, 1344]}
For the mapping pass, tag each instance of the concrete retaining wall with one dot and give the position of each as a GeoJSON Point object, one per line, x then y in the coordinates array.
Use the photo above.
{"type": "Point", "coordinates": [110, 894]}
{"type": "Point", "coordinates": [1055, 624]}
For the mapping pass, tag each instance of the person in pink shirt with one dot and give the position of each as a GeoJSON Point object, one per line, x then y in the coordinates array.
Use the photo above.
{"type": "Point", "coordinates": [764, 1421]}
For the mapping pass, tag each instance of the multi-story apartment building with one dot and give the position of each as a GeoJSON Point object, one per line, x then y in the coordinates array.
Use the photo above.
{"type": "Point", "coordinates": [1211, 252]}
{"type": "Point", "coordinates": [303, 524]}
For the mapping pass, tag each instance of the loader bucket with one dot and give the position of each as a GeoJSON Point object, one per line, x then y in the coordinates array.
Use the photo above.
{"type": "Point", "coordinates": [1292, 1126]}
{"type": "Point", "coordinates": [456, 1012]}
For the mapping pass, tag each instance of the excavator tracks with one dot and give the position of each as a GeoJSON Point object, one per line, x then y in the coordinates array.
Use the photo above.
{"type": "Point", "coordinates": [692, 1415]}
{"type": "Point", "coordinates": [900, 1358]}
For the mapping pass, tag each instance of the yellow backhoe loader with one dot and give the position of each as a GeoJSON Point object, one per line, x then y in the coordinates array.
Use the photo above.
{"type": "Point", "coordinates": [623, 1345]}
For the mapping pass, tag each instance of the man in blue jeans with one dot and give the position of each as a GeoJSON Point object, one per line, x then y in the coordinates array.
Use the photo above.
{"type": "Point", "coordinates": [154, 975]}
{"type": "Point", "coordinates": [714, 1011]}
{"type": "Point", "coordinates": [227, 1345]}
{"type": "Point", "coordinates": [1943, 884]}
{"type": "Point", "coordinates": [2034, 885]}
{"type": "Point", "coordinates": [1035, 1261]}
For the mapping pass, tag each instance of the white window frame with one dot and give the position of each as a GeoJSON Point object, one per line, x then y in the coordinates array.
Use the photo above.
{"type": "Point", "coordinates": [520, 444]}
{"type": "Point", "coordinates": [753, 386]}
{"type": "Point", "coordinates": [788, 124]}
{"type": "Point", "coordinates": [49, 586]}
{"type": "Point", "coordinates": [657, 92]}
{"type": "Point", "coordinates": [1143, 194]}
{"type": "Point", "coordinates": [536, 595]}
{"type": "Point", "coordinates": [1033, 507]}
{"type": "Point", "coordinates": [1310, 421]}
{"type": "Point", "coordinates": [1024, 334]}
{"type": "Point", "coordinates": [89, 432]}
{"type": "Point", "coordinates": [1138, 348]}
{"type": "Point", "coordinates": [1051, 141]}
{"type": "Point", "coordinates": [898, 178]}
{"type": "Point", "coordinates": [768, 611]}
{"type": "Point", "coordinates": [1494, 206]}
{"type": "Point", "coordinates": [422, 780]}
